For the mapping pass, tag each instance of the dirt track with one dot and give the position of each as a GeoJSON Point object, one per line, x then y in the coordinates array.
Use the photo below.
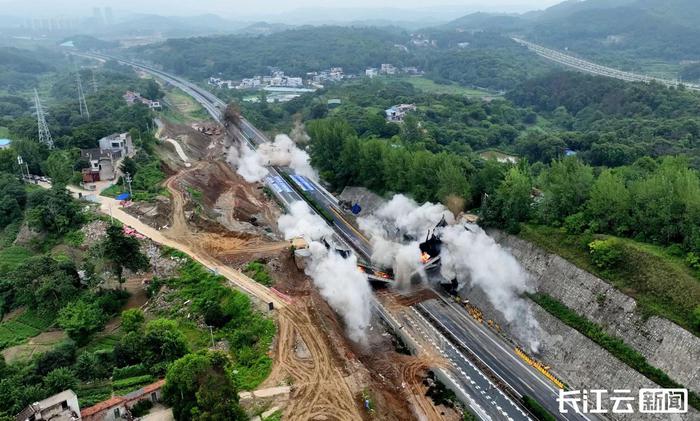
{"type": "Point", "coordinates": [319, 390]}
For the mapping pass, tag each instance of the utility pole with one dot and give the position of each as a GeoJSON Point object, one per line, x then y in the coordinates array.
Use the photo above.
{"type": "Point", "coordinates": [20, 162]}
{"type": "Point", "coordinates": [81, 98]}
{"type": "Point", "coordinates": [44, 133]}
{"type": "Point", "coordinates": [127, 178]}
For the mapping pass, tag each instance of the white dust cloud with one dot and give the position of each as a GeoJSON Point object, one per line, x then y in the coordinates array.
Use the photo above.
{"type": "Point", "coordinates": [252, 164]}
{"type": "Point", "coordinates": [341, 284]}
{"type": "Point", "coordinates": [468, 255]}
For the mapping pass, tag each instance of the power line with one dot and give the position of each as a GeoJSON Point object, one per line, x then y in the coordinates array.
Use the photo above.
{"type": "Point", "coordinates": [81, 98]}
{"type": "Point", "coordinates": [43, 128]}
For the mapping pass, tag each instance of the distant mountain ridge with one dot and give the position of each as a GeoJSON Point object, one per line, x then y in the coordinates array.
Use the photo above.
{"type": "Point", "coordinates": [640, 29]}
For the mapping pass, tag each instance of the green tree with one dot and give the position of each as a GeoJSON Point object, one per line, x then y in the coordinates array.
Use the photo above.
{"type": "Point", "coordinates": [129, 350]}
{"type": "Point", "coordinates": [565, 187]}
{"type": "Point", "coordinates": [60, 379]}
{"type": "Point", "coordinates": [511, 203]}
{"type": "Point", "coordinates": [610, 204]}
{"type": "Point", "coordinates": [45, 284]}
{"type": "Point", "coordinates": [80, 320]}
{"type": "Point", "coordinates": [200, 387]}
{"type": "Point", "coordinates": [452, 179]}
{"type": "Point", "coordinates": [62, 356]}
{"type": "Point", "coordinates": [89, 367]}
{"type": "Point", "coordinates": [129, 166]}
{"type": "Point", "coordinates": [132, 320]}
{"type": "Point", "coordinates": [8, 161]}
{"type": "Point", "coordinates": [9, 211]}
{"type": "Point", "coordinates": [411, 131]}
{"type": "Point", "coordinates": [59, 167]}
{"type": "Point", "coordinates": [163, 343]}
{"type": "Point", "coordinates": [540, 146]}
{"type": "Point", "coordinates": [124, 251]}
{"type": "Point", "coordinates": [327, 139]}
{"type": "Point", "coordinates": [53, 211]}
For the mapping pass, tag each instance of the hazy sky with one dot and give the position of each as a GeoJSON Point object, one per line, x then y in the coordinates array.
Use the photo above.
{"type": "Point", "coordinates": [237, 8]}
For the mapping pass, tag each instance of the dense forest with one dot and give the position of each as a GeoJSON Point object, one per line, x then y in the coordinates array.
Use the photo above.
{"type": "Point", "coordinates": [20, 69]}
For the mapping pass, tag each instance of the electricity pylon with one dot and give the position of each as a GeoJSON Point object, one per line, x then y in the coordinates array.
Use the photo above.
{"type": "Point", "coordinates": [44, 133]}
{"type": "Point", "coordinates": [81, 98]}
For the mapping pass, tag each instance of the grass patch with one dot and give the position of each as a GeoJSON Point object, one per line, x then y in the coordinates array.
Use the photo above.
{"type": "Point", "coordinates": [258, 271]}
{"type": "Point", "coordinates": [429, 86]}
{"type": "Point", "coordinates": [26, 325]}
{"type": "Point", "coordinates": [181, 108]}
{"type": "Point", "coordinates": [4, 132]}
{"type": "Point", "coordinates": [103, 343]}
{"type": "Point", "coordinates": [614, 345]}
{"type": "Point", "coordinates": [662, 284]}
{"type": "Point", "coordinates": [12, 257]}
{"type": "Point", "coordinates": [275, 416]}
{"type": "Point", "coordinates": [9, 234]}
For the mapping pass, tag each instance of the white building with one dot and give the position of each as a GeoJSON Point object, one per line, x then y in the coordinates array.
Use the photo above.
{"type": "Point", "coordinates": [388, 69]}
{"type": "Point", "coordinates": [119, 144]}
{"type": "Point", "coordinates": [371, 72]}
{"type": "Point", "coordinates": [398, 112]}
{"type": "Point", "coordinates": [294, 82]}
{"type": "Point", "coordinates": [60, 407]}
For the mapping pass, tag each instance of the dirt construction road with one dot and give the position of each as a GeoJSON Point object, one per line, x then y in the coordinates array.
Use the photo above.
{"type": "Point", "coordinates": [319, 391]}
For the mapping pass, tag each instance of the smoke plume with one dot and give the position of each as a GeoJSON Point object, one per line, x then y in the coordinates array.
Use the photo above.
{"type": "Point", "coordinates": [468, 255]}
{"type": "Point", "coordinates": [341, 284]}
{"type": "Point", "coordinates": [251, 164]}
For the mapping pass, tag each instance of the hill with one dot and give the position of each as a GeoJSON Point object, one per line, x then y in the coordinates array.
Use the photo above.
{"type": "Point", "coordinates": [613, 31]}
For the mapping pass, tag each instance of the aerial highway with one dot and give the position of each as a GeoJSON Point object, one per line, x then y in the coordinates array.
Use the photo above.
{"type": "Point", "coordinates": [596, 69]}
{"type": "Point", "coordinates": [484, 369]}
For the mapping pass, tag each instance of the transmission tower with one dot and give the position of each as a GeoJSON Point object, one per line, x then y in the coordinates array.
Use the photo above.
{"type": "Point", "coordinates": [81, 98]}
{"type": "Point", "coordinates": [94, 82]}
{"type": "Point", "coordinates": [44, 133]}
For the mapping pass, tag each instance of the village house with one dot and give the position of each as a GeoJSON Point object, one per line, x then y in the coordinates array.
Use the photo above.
{"type": "Point", "coordinates": [388, 69]}
{"type": "Point", "coordinates": [103, 159]}
{"type": "Point", "coordinates": [60, 407]}
{"type": "Point", "coordinates": [119, 407]}
{"type": "Point", "coordinates": [397, 113]}
{"type": "Point", "coordinates": [132, 97]}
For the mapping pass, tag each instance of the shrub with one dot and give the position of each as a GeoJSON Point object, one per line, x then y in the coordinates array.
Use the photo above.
{"type": "Point", "coordinates": [62, 356]}
{"type": "Point", "coordinates": [141, 408]}
{"type": "Point", "coordinates": [258, 271]}
{"type": "Point", "coordinates": [575, 224]}
{"type": "Point", "coordinates": [132, 381]}
{"type": "Point", "coordinates": [693, 260]}
{"type": "Point", "coordinates": [132, 320]}
{"type": "Point", "coordinates": [606, 254]}
{"type": "Point", "coordinates": [60, 379]}
{"type": "Point", "coordinates": [129, 371]}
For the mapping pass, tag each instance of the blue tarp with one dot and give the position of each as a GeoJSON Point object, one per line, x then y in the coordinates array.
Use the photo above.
{"type": "Point", "coordinates": [356, 209]}
{"type": "Point", "coordinates": [123, 196]}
